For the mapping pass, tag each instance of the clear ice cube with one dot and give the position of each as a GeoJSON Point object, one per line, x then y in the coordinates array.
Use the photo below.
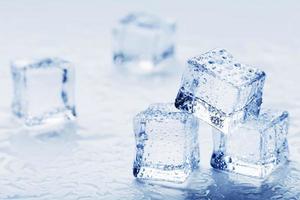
{"type": "Point", "coordinates": [43, 91]}
{"type": "Point", "coordinates": [142, 42]}
{"type": "Point", "coordinates": [219, 90]}
{"type": "Point", "coordinates": [255, 148]}
{"type": "Point", "coordinates": [166, 144]}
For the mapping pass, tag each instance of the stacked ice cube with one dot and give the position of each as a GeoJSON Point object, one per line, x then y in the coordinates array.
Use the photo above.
{"type": "Point", "coordinates": [227, 95]}
{"type": "Point", "coordinates": [220, 90]}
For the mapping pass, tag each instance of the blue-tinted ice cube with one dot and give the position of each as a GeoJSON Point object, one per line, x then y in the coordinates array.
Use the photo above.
{"type": "Point", "coordinates": [220, 90]}
{"type": "Point", "coordinates": [43, 91]}
{"type": "Point", "coordinates": [142, 42]}
{"type": "Point", "coordinates": [255, 148]}
{"type": "Point", "coordinates": [166, 144]}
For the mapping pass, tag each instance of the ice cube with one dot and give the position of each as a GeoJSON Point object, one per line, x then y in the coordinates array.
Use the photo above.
{"type": "Point", "coordinates": [166, 144]}
{"type": "Point", "coordinates": [43, 91]}
{"type": "Point", "coordinates": [220, 90]}
{"type": "Point", "coordinates": [142, 42]}
{"type": "Point", "coordinates": [255, 148]}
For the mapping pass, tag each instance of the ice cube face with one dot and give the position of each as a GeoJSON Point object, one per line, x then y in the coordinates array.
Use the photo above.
{"type": "Point", "coordinates": [142, 42]}
{"type": "Point", "coordinates": [43, 91]}
{"type": "Point", "coordinates": [166, 144]}
{"type": "Point", "coordinates": [219, 90]}
{"type": "Point", "coordinates": [255, 148]}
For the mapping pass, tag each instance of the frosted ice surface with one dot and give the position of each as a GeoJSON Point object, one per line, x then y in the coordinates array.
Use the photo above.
{"type": "Point", "coordinates": [256, 148]}
{"type": "Point", "coordinates": [142, 42]}
{"type": "Point", "coordinates": [43, 91]}
{"type": "Point", "coordinates": [166, 144]}
{"type": "Point", "coordinates": [220, 90]}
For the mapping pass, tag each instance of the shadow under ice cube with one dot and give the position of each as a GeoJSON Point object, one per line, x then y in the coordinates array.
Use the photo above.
{"type": "Point", "coordinates": [142, 42]}
{"type": "Point", "coordinates": [219, 90]}
{"type": "Point", "coordinates": [166, 144]}
{"type": "Point", "coordinates": [43, 91]}
{"type": "Point", "coordinates": [256, 148]}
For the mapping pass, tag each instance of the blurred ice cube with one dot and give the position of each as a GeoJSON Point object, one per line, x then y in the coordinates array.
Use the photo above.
{"type": "Point", "coordinates": [142, 43]}
{"type": "Point", "coordinates": [43, 91]}
{"type": "Point", "coordinates": [256, 148]}
{"type": "Point", "coordinates": [219, 90]}
{"type": "Point", "coordinates": [166, 144]}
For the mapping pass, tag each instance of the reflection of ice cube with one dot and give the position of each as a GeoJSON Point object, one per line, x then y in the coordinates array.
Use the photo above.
{"type": "Point", "coordinates": [43, 147]}
{"type": "Point", "coordinates": [166, 144]}
{"type": "Point", "coordinates": [255, 148]}
{"type": "Point", "coordinates": [43, 91]}
{"type": "Point", "coordinates": [220, 90]}
{"type": "Point", "coordinates": [142, 42]}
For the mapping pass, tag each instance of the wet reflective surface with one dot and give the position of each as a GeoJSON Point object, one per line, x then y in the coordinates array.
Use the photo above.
{"type": "Point", "coordinates": [92, 159]}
